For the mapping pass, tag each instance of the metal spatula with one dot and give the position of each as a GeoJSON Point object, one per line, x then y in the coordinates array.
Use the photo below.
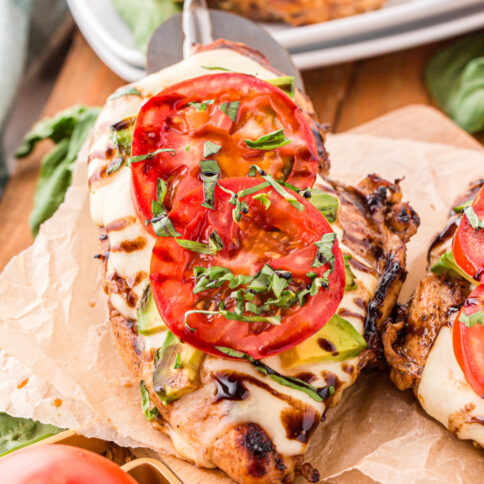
{"type": "Point", "coordinates": [173, 39]}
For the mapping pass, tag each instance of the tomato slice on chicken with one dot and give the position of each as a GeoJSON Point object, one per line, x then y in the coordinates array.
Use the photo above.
{"type": "Point", "coordinates": [468, 339]}
{"type": "Point", "coordinates": [468, 244]}
{"type": "Point", "coordinates": [245, 294]}
{"type": "Point", "coordinates": [211, 117]}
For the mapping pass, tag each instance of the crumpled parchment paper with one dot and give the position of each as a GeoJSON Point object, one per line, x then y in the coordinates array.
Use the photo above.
{"type": "Point", "coordinates": [54, 331]}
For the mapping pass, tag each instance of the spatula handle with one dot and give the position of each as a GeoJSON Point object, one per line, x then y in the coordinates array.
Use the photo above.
{"type": "Point", "coordinates": [196, 25]}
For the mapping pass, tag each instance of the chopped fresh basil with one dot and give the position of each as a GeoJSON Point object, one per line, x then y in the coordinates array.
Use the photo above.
{"type": "Point", "coordinates": [446, 264]}
{"type": "Point", "coordinates": [327, 204]}
{"type": "Point", "coordinates": [475, 222]}
{"type": "Point", "coordinates": [472, 319]}
{"type": "Point", "coordinates": [285, 83]}
{"type": "Point", "coordinates": [230, 109]}
{"type": "Point", "coordinates": [210, 173]}
{"type": "Point", "coordinates": [254, 189]}
{"type": "Point", "coordinates": [297, 384]}
{"type": "Point", "coordinates": [161, 223]}
{"type": "Point", "coordinates": [148, 156]}
{"type": "Point", "coordinates": [201, 106]}
{"type": "Point", "coordinates": [351, 283]}
{"type": "Point", "coordinates": [325, 251]}
{"type": "Point", "coordinates": [149, 413]}
{"type": "Point", "coordinates": [177, 361]}
{"type": "Point", "coordinates": [124, 91]}
{"type": "Point", "coordinates": [277, 187]}
{"type": "Point", "coordinates": [214, 245]}
{"type": "Point", "coordinates": [210, 149]}
{"type": "Point", "coordinates": [216, 68]}
{"type": "Point", "coordinates": [263, 198]}
{"type": "Point", "coordinates": [234, 199]}
{"type": "Point", "coordinates": [233, 353]}
{"type": "Point", "coordinates": [114, 166]}
{"type": "Point", "coordinates": [460, 208]}
{"type": "Point", "coordinates": [269, 141]}
{"type": "Point", "coordinates": [211, 277]}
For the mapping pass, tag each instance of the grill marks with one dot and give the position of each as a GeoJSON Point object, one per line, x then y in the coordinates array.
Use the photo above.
{"type": "Point", "coordinates": [125, 287]}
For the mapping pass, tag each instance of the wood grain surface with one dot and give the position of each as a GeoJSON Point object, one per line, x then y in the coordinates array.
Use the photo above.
{"type": "Point", "coordinates": [344, 96]}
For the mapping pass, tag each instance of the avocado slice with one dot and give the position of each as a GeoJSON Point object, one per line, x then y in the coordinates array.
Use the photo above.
{"type": "Point", "coordinates": [337, 340]}
{"type": "Point", "coordinates": [149, 319]}
{"type": "Point", "coordinates": [177, 369]}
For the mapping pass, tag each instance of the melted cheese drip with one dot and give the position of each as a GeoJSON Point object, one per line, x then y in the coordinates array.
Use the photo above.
{"type": "Point", "coordinates": [111, 201]}
{"type": "Point", "coordinates": [445, 394]}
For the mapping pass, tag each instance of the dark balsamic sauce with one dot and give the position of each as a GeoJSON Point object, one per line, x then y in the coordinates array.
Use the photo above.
{"type": "Point", "coordinates": [447, 233]}
{"type": "Point", "coordinates": [229, 387]}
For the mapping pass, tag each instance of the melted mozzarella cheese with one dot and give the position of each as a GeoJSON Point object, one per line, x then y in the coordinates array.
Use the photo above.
{"type": "Point", "coordinates": [111, 201]}
{"type": "Point", "coordinates": [445, 394]}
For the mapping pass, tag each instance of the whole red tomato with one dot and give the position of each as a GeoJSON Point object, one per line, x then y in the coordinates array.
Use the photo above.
{"type": "Point", "coordinates": [60, 464]}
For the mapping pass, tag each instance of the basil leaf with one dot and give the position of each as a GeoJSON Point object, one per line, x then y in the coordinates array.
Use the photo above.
{"type": "Point", "coordinates": [144, 16]}
{"type": "Point", "coordinates": [270, 141]}
{"type": "Point", "coordinates": [351, 283]}
{"type": "Point", "coordinates": [325, 251]}
{"type": "Point", "coordinates": [212, 277]}
{"type": "Point", "coordinates": [214, 245]}
{"type": "Point", "coordinates": [177, 361]}
{"type": "Point", "coordinates": [303, 387]}
{"type": "Point", "coordinates": [149, 413]}
{"type": "Point", "coordinates": [234, 199]}
{"type": "Point", "coordinates": [263, 198]}
{"type": "Point", "coordinates": [233, 353]}
{"type": "Point", "coordinates": [327, 204]}
{"type": "Point", "coordinates": [285, 83]}
{"type": "Point", "coordinates": [124, 91]}
{"type": "Point", "coordinates": [216, 68]}
{"type": "Point", "coordinates": [254, 189]}
{"type": "Point", "coordinates": [472, 319]}
{"type": "Point", "coordinates": [161, 223]}
{"type": "Point", "coordinates": [201, 106]}
{"type": "Point", "coordinates": [473, 219]}
{"type": "Point", "coordinates": [210, 149]}
{"type": "Point", "coordinates": [210, 173]}
{"type": "Point", "coordinates": [69, 130]}
{"type": "Point", "coordinates": [239, 280]}
{"type": "Point", "coordinates": [460, 208]}
{"type": "Point", "coordinates": [446, 264]}
{"type": "Point", "coordinates": [114, 166]}
{"type": "Point", "coordinates": [148, 156]}
{"type": "Point", "coordinates": [230, 109]}
{"type": "Point", "coordinates": [16, 433]}
{"type": "Point", "coordinates": [455, 78]}
{"type": "Point", "coordinates": [277, 187]}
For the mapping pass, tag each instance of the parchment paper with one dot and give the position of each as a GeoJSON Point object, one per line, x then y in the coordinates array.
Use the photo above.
{"type": "Point", "coordinates": [54, 329]}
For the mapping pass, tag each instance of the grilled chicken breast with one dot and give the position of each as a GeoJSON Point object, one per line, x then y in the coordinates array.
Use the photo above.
{"type": "Point", "coordinates": [238, 419]}
{"type": "Point", "coordinates": [297, 12]}
{"type": "Point", "coordinates": [418, 343]}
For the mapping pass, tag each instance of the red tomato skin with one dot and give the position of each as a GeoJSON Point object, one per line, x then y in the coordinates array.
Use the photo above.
{"type": "Point", "coordinates": [151, 133]}
{"type": "Point", "coordinates": [468, 243]}
{"type": "Point", "coordinates": [468, 343]}
{"type": "Point", "coordinates": [172, 285]}
{"type": "Point", "coordinates": [60, 464]}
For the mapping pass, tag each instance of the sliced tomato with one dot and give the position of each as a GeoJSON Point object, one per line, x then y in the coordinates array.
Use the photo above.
{"type": "Point", "coordinates": [186, 115]}
{"type": "Point", "coordinates": [468, 342]}
{"type": "Point", "coordinates": [468, 244]}
{"type": "Point", "coordinates": [281, 236]}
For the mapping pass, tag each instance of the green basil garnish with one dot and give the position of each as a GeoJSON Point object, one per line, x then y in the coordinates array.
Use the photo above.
{"type": "Point", "coordinates": [327, 204]}
{"type": "Point", "coordinates": [114, 166]}
{"type": "Point", "coordinates": [210, 173]}
{"type": "Point", "coordinates": [125, 91]}
{"type": "Point", "coordinates": [177, 362]}
{"type": "Point", "coordinates": [210, 149]}
{"type": "Point", "coordinates": [277, 187]}
{"type": "Point", "coordinates": [460, 208]}
{"type": "Point", "coordinates": [351, 283]}
{"type": "Point", "coordinates": [230, 109]}
{"type": "Point", "coordinates": [472, 319]}
{"type": "Point", "coordinates": [201, 106]}
{"type": "Point", "coordinates": [263, 198]}
{"type": "Point", "coordinates": [475, 222]}
{"type": "Point", "coordinates": [325, 251]}
{"type": "Point", "coordinates": [149, 413]}
{"type": "Point", "coordinates": [446, 264]}
{"type": "Point", "coordinates": [148, 156]}
{"type": "Point", "coordinates": [270, 141]}
{"type": "Point", "coordinates": [285, 83]}
{"type": "Point", "coordinates": [162, 225]}
{"type": "Point", "coordinates": [214, 245]}
{"type": "Point", "coordinates": [216, 68]}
